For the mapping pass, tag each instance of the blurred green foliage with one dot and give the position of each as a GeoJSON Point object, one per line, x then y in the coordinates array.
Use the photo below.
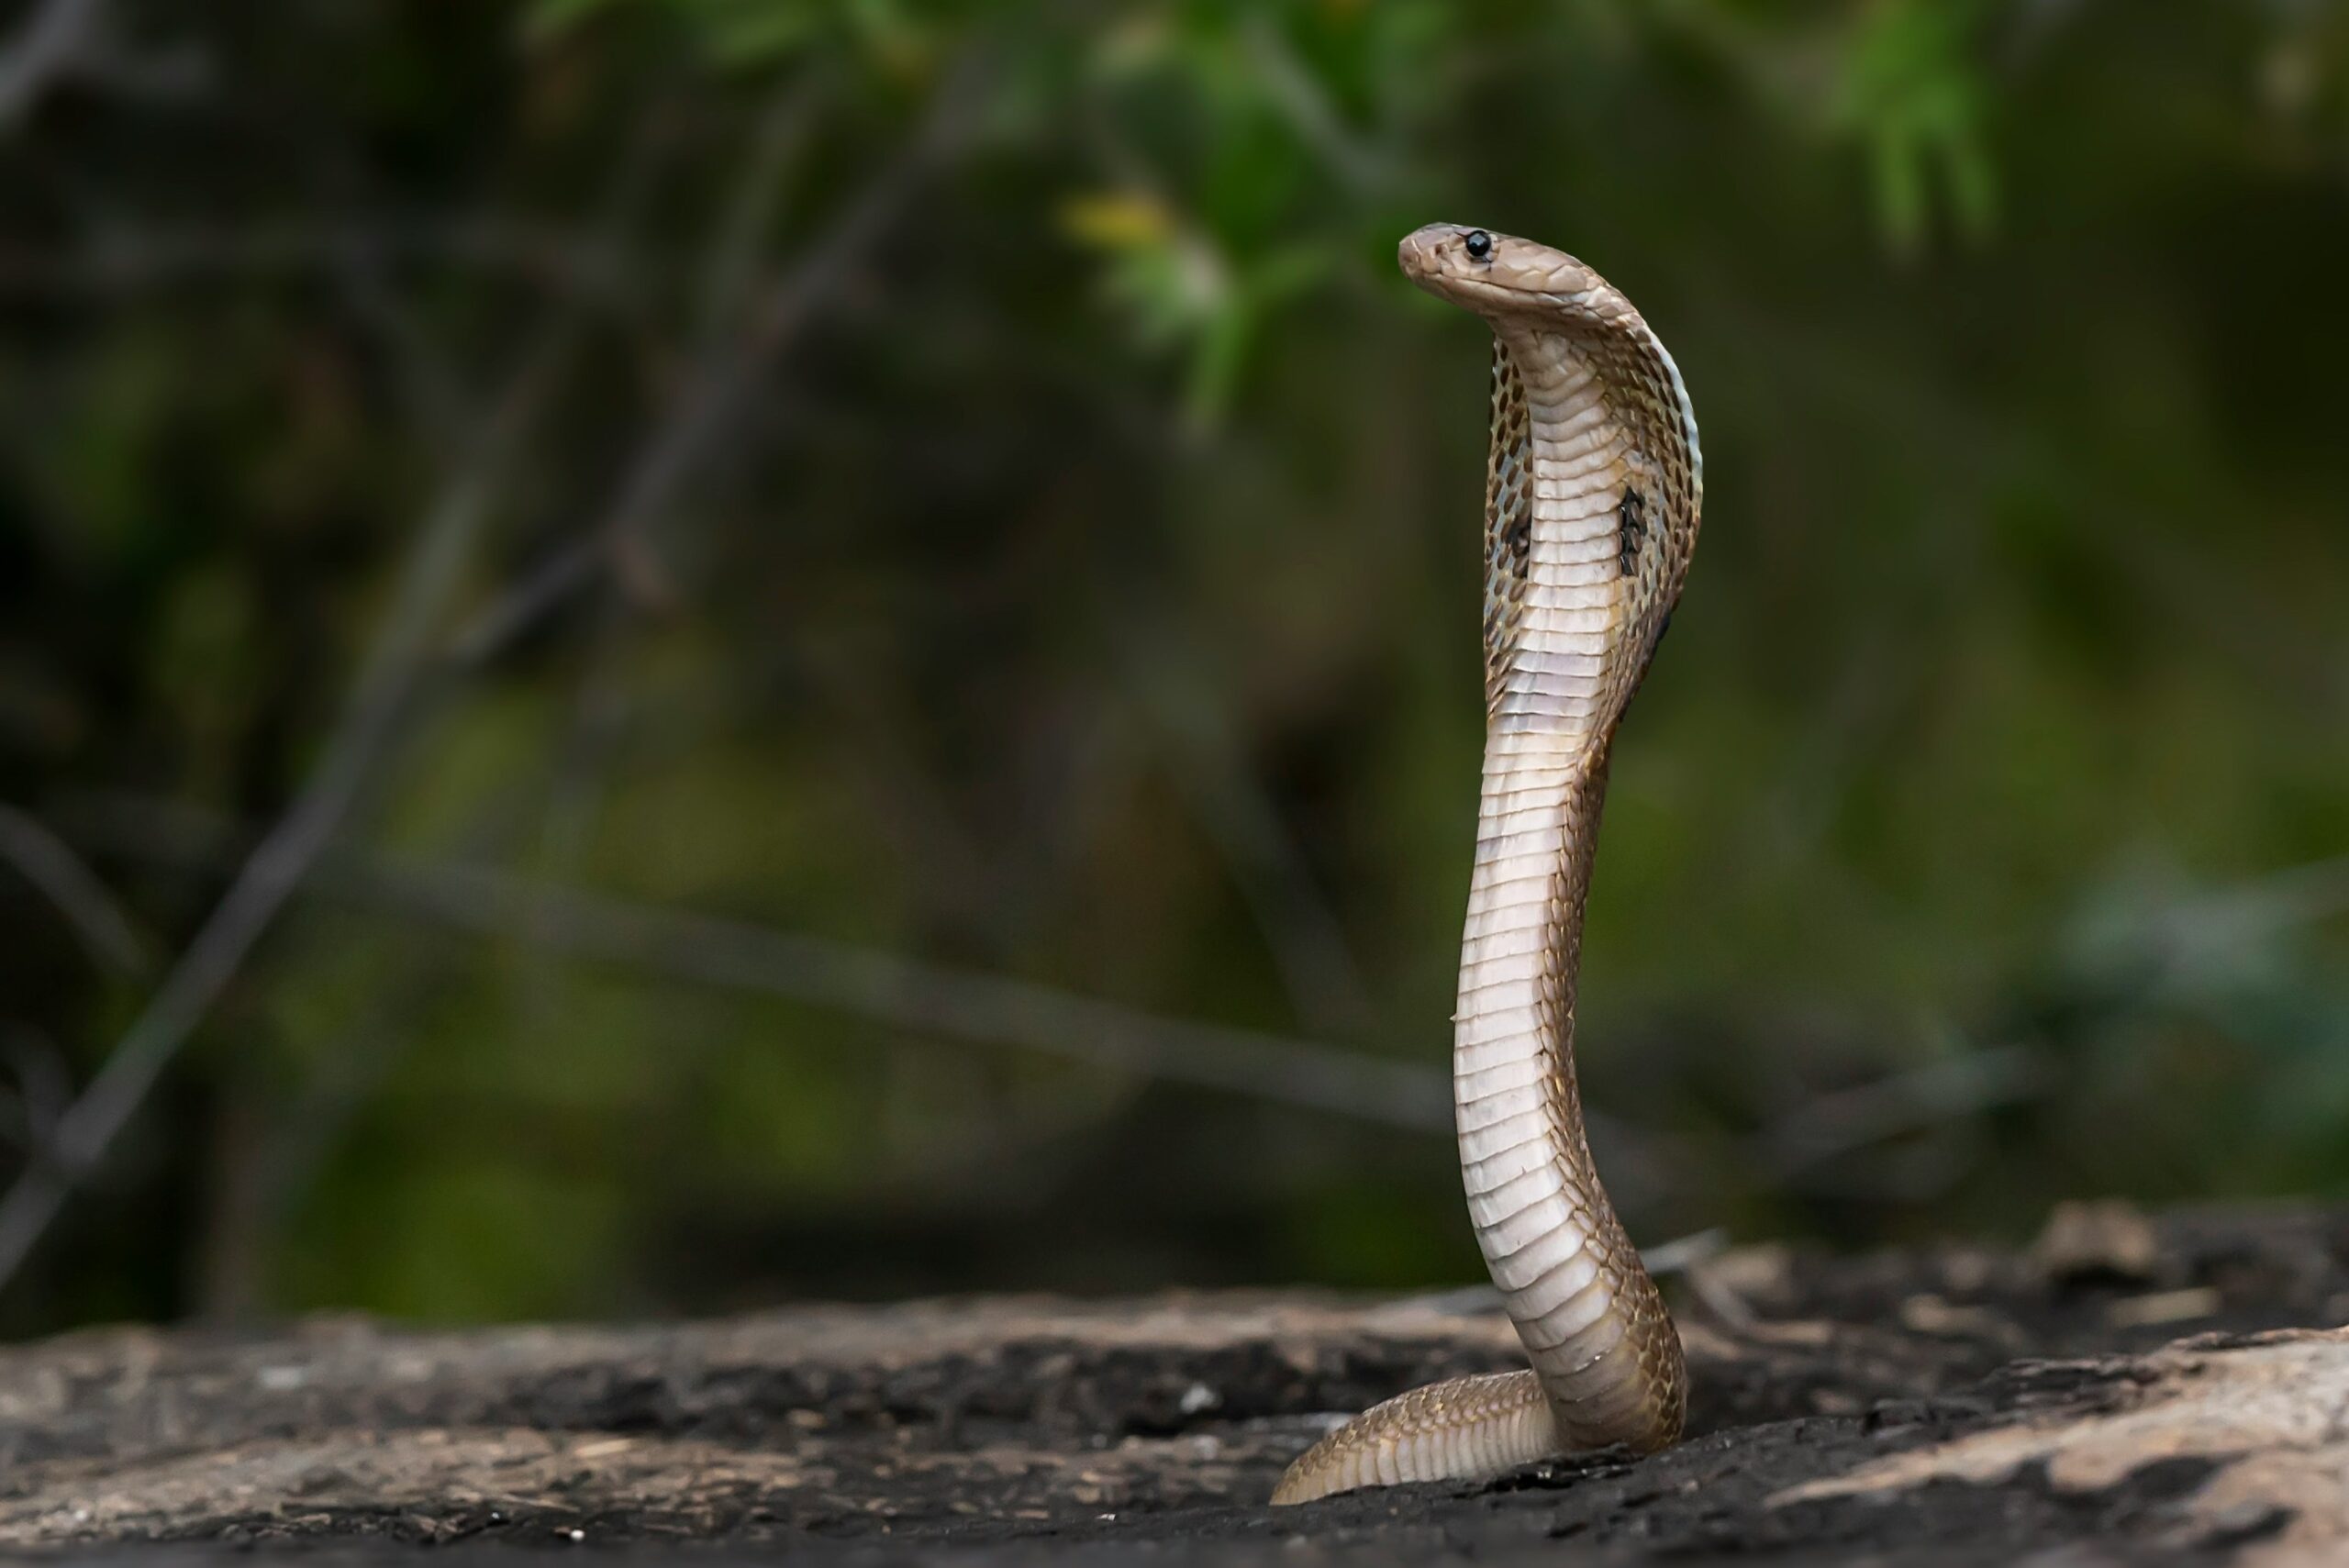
{"type": "Point", "coordinates": [1081, 586]}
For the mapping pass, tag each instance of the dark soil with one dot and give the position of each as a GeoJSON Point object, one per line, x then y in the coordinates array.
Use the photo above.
{"type": "Point", "coordinates": [2022, 1402]}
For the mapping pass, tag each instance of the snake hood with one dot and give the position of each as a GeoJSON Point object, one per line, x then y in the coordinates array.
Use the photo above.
{"type": "Point", "coordinates": [1523, 287]}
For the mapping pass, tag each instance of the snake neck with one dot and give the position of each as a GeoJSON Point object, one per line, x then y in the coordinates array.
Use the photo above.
{"type": "Point", "coordinates": [1566, 643]}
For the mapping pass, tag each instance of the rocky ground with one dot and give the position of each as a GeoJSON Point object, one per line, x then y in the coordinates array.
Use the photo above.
{"type": "Point", "coordinates": [2127, 1390]}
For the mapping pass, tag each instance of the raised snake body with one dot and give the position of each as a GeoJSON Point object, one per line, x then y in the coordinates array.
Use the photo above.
{"type": "Point", "coordinates": [1592, 493]}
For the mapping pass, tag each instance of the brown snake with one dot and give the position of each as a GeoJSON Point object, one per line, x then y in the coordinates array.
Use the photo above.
{"type": "Point", "coordinates": [1591, 498]}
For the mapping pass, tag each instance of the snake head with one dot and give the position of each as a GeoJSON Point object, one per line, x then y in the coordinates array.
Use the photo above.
{"type": "Point", "coordinates": [1495, 274]}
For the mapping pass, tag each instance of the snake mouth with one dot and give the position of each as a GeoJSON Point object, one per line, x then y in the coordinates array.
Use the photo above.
{"type": "Point", "coordinates": [1493, 273]}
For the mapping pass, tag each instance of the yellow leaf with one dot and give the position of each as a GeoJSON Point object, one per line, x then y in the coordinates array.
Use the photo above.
{"type": "Point", "coordinates": [1116, 220]}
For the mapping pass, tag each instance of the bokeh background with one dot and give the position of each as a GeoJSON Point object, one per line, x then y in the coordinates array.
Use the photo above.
{"type": "Point", "coordinates": [658, 655]}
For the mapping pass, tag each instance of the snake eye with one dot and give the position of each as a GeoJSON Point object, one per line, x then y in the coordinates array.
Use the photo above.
{"type": "Point", "coordinates": [1479, 245]}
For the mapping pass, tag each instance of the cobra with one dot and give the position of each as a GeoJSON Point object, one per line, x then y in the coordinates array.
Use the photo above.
{"type": "Point", "coordinates": [1593, 489]}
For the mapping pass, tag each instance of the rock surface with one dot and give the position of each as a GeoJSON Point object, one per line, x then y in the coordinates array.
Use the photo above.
{"type": "Point", "coordinates": [2179, 1393]}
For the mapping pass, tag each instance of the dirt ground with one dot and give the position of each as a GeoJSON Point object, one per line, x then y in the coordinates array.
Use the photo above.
{"type": "Point", "coordinates": [2171, 1390]}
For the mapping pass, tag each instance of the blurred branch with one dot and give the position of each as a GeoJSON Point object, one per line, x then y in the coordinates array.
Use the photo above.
{"type": "Point", "coordinates": [403, 661]}
{"type": "Point", "coordinates": [910, 995]}
{"type": "Point", "coordinates": [275, 868]}
{"type": "Point", "coordinates": [588, 265]}
{"type": "Point", "coordinates": [1305, 102]}
{"type": "Point", "coordinates": [65, 38]}
{"type": "Point", "coordinates": [399, 672]}
{"type": "Point", "coordinates": [730, 272]}
{"type": "Point", "coordinates": [1930, 1096]}
{"type": "Point", "coordinates": [597, 722]}
{"type": "Point", "coordinates": [427, 382]}
{"type": "Point", "coordinates": [380, 703]}
{"type": "Point", "coordinates": [46, 48]}
{"type": "Point", "coordinates": [734, 955]}
{"type": "Point", "coordinates": [727, 373]}
{"type": "Point", "coordinates": [48, 863]}
{"type": "Point", "coordinates": [43, 1087]}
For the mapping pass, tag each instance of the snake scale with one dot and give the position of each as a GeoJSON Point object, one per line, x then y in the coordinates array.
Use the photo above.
{"type": "Point", "coordinates": [1592, 492]}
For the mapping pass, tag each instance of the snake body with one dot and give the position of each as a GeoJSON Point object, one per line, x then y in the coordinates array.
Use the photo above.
{"type": "Point", "coordinates": [1593, 489]}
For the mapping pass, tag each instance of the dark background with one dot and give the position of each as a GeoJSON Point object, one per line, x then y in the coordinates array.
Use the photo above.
{"type": "Point", "coordinates": [658, 655]}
